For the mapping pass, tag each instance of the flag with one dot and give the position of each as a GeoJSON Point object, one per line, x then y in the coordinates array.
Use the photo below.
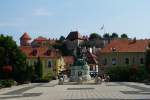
{"type": "Point", "coordinates": [102, 27]}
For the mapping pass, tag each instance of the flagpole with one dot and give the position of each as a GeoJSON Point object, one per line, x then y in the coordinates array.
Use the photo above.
{"type": "Point", "coordinates": [104, 30]}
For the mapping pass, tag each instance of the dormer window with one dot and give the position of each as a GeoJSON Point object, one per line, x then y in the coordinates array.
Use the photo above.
{"type": "Point", "coordinates": [48, 52]}
{"type": "Point", "coordinates": [113, 49]}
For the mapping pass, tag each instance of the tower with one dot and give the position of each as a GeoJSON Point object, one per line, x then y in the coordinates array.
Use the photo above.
{"type": "Point", "coordinates": [24, 39]}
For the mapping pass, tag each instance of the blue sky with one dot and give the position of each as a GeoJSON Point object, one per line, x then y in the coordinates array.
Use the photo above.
{"type": "Point", "coordinates": [53, 18]}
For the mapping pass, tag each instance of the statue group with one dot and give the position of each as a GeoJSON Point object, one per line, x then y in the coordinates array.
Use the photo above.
{"type": "Point", "coordinates": [80, 69]}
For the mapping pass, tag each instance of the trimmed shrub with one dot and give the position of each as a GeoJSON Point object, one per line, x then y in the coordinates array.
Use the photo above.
{"type": "Point", "coordinates": [118, 73]}
{"type": "Point", "coordinates": [44, 79]}
{"type": "Point", "coordinates": [127, 73]}
{"type": "Point", "coordinates": [7, 83]}
{"type": "Point", "coordinates": [47, 78]}
{"type": "Point", "coordinates": [138, 74]}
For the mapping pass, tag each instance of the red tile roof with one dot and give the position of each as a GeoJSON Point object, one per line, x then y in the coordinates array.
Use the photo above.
{"type": "Point", "coordinates": [69, 60]}
{"type": "Point", "coordinates": [25, 36]}
{"type": "Point", "coordinates": [91, 58]}
{"type": "Point", "coordinates": [39, 52]}
{"type": "Point", "coordinates": [74, 35]}
{"type": "Point", "coordinates": [40, 38]}
{"type": "Point", "coordinates": [125, 45]}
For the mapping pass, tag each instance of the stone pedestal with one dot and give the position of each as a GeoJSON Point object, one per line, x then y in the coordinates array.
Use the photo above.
{"type": "Point", "coordinates": [80, 70]}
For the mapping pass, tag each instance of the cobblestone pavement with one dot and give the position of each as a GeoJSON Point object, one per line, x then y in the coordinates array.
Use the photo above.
{"type": "Point", "coordinates": [52, 91]}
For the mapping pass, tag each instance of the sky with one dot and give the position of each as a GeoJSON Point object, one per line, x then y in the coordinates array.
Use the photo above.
{"type": "Point", "coordinates": [53, 18]}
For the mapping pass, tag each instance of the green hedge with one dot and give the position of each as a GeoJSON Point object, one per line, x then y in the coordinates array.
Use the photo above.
{"type": "Point", "coordinates": [127, 73]}
{"type": "Point", "coordinates": [46, 78]}
{"type": "Point", "coordinates": [7, 83]}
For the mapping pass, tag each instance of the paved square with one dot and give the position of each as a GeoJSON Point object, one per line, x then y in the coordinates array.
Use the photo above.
{"type": "Point", "coordinates": [52, 91]}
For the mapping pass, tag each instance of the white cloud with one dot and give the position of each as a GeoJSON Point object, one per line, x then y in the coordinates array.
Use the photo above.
{"type": "Point", "coordinates": [41, 12]}
{"type": "Point", "coordinates": [7, 24]}
{"type": "Point", "coordinates": [14, 22]}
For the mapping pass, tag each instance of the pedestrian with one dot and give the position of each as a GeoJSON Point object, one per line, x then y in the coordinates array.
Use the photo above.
{"type": "Point", "coordinates": [80, 79]}
{"type": "Point", "coordinates": [61, 79]}
{"type": "Point", "coordinates": [98, 80]}
{"type": "Point", "coordinates": [107, 79]}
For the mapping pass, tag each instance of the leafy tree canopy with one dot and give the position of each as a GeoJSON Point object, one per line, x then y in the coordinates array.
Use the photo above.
{"type": "Point", "coordinates": [12, 55]}
{"type": "Point", "coordinates": [147, 58]}
{"type": "Point", "coordinates": [63, 48]}
{"type": "Point", "coordinates": [114, 35]}
{"type": "Point", "coordinates": [62, 38]}
{"type": "Point", "coordinates": [10, 50]}
{"type": "Point", "coordinates": [124, 35]}
{"type": "Point", "coordinates": [106, 36]}
{"type": "Point", "coordinates": [94, 36]}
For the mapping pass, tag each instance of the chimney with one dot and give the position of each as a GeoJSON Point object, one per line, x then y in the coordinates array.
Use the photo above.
{"type": "Point", "coordinates": [134, 40]}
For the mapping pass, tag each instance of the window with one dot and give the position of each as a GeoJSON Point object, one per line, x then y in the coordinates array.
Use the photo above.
{"type": "Point", "coordinates": [133, 60]}
{"type": "Point", "coordinates": [94, 68]}
{"type": "Point", "coordinates": [142, 61]}
{"type": "Point", "coordinates": [28, 62]}
{"type": "Point", "coordinates": [105, 61]}
{"type": "Point", "coordinates": [114, 61]}
{"type": "Point", "coordinates": [34, 62]}
{"type": "Point", "coordinates": [91, 68]}
{"type": "Point", "coordinates": [48, 52]}
{"type": "Point", "coordinates": [113, 49]}
{"type": "Point", "coordinates": [49, 64]}
{"type": "Point", "coordinates": [127, 61]}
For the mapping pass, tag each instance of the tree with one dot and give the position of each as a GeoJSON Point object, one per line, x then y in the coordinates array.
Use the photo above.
{"type": "Point", "coordinates": [10, 51]}
{"type": "Point", "coordinates": [63, 48]}
{"type": "Point", "coordinates": [114, 35]}
{"type": "Point", "coordinates": [39, 69]}
{"type": "Point", "coordinates": [106, 36]}
{"type": "Point", "coordinates": [147, 58]}
{"type": "Point", "coordinates": [62, 38]}
{"type": "Point", "coordinates": [94, 36]}
{"type": "Point", "coordinates": [124, 36]}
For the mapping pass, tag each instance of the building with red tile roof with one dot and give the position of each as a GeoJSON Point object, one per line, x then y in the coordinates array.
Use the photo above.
{"type": "Point", "coordinates": [125, 45]}
{"type": "Point", "coordinates": [40, 38]}
{"type": "Point", "coordinates": [25, 39]}
{"type": "Point", "coordinates": [42, 52]}
{"type": "Point", "coordinates": [39, 41]}
{"type": "Point", "coordinates": [123, 52]}
{"type": "Point", "coordinates": [42, 41]}
{"type": "Point", "coordinates": [73, 40]}
{"type": "Point", "coordinates": [50, 58]}
{"type": "Point", "coordinates": [69, 61]}
{"type": "Point", "coordinates": [40, 48]}
{"type": "Point", "coordinates": [74, 35]}
{"type": "Point", "coordinates": [91, 59]}
{"type": "Point", "coordinates": [25, 36]}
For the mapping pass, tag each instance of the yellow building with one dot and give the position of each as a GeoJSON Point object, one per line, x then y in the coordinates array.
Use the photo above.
{"type": "Point", "coordinates": [51, 59]}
